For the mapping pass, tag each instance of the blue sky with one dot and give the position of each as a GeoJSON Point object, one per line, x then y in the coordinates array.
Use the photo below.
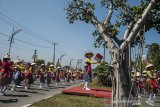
{"type": "Point", "coordinates": [48, 19]}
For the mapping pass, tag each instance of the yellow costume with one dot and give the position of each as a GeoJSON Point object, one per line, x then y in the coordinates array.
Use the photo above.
{"type": "Point", "coordinates": [20, 67]}
{"type": "Point", "coordinates": [88, 61]}
{"type": "Point", "coordinates": [144, 74]}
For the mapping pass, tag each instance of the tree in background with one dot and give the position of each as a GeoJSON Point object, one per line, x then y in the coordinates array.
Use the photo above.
{"type": "Point", "coordinates": [154, 54]}
{"type": "Point", "coordinates": [49, 63]}
{"type": "Point", "coordinates": [39, 62]}
{"type": "Point", "coordinates": [132, 18]}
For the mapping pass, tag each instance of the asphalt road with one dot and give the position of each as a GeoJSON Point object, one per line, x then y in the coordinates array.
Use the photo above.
{"type": "Point", "coordinates": [145, 98]}
{"type": "Point", "coordinates": [22, 97]}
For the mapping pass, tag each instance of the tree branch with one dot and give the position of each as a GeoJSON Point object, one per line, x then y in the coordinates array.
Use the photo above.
{"type": "Point", "coordinates": [110, 12]}
{"type": "Point", "coordinates": [100, 29]}
{"type": "Point", "coordinates": [128, 31]}
{"type": "Point", "coordinates": [109, 42]}
{"type": "Point", "coordinates": [139, 24]}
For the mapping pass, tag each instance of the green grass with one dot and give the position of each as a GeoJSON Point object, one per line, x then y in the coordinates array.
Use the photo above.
{"type": "Point", "coordinates": [65, 100]}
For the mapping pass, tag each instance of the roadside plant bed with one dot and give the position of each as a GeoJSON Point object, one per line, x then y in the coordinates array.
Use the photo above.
{"type": "Point", "coordinates": [63, 100]}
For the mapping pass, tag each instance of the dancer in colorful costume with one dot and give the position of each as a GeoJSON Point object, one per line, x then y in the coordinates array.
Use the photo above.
{"type": "Point", "coordinates": [42, 75]}
{"type": "Point", "coordinates": [150, 82]}
{"type": "Point", "coordinates": [29, 75]}
{"type": "Point", "coordinates": [6, 70]}
{"type": "Point", "coordinates": [88, 72]}
{"type": "Point", "coordinates": [139, 83]}
{"type": "Point", "coordinates": [49, 74]}
{"type": "Point", "coordinates": [32, 70]}
{"type": "Point", "coordinates": [18, 76]}
{"type": "Point", "coordinates": [58, 75]}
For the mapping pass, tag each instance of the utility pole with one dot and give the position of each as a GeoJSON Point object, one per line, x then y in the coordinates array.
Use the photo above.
{"type": "Point", "coordinates": [54, 52]}
{"type": "Point", "coordinates": [70, 64]}
{"type": "Point", "coordinates": [61, 58]}
{"type": "Point", "coordinates": [11, 39]}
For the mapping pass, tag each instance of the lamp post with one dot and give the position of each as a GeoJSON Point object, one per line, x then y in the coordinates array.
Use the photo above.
{"type": "Point", "coordinates": [79, 63]}
{"type": "Point", "coordinates": [61, 58]}
{"type": "Point", "coordinates": [70, 64]}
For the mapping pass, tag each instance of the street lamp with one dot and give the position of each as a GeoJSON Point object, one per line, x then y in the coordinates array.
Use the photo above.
{"type": "Point", "coordinates": [71, 62]}
{"type": "Point", "coordinates": [79, 64]}
{"type": "Point", "coordinates": [61, 58]}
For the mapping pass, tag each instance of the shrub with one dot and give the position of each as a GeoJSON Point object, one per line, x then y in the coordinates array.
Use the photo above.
{"type": "Point", "coordinates": [103, 73]}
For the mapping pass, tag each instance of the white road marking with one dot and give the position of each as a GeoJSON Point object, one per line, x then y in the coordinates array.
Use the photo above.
{"type": "Point", "coordinates": [26, 105]}
{"type": "Point", "coordinates": [48, 97]}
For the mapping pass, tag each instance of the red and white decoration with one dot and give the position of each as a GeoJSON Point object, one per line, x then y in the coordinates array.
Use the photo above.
{"type": "Point", "coordinates": [98, 57]}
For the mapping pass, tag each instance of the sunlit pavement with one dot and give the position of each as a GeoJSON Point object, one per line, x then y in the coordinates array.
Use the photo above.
{"type": "Point", "coordinates": [143, 98]}
{"type": "Point", "coordinates": [22, 97]}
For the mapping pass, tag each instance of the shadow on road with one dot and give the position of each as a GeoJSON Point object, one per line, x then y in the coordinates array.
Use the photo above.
{"type": "Point", "coordinates": [60, 87]}
{"type": "Point", "coordinates": [54, 87]}
{"type": "Point", "coordinates": [36, 84]}
{"type": "Point", "coordinates": [157, 101]}
{"type": "Point", "coordinates": [26, 91]}
{"type": "Point", "coordinates": [9, 101]}
{"type": "Point", "coordinates": [39, 89]}
{"type": "Point", "coordinates": [11, 95]}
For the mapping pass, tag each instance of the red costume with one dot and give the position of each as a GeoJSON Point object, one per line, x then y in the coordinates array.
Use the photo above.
{"type": "Point", "coordinates": [6, 72]}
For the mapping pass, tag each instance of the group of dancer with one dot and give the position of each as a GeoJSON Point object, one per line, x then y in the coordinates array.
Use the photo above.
{"type": "Point", "coordinates": [147, 81]}
{"type": "Point", "coordinates": [26, 73]}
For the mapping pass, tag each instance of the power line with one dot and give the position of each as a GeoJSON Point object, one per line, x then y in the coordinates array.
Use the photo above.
{"type": "Point", "coordinates": [15, 47]}
{"type": "Point", "coordinates": [27, 42]}
{"type": "Point", "coordinates": [65, 51]}
{"type": "Point", "coordinates": [8, 23]}
{"type": "Point", "coordinates": [25, 29]}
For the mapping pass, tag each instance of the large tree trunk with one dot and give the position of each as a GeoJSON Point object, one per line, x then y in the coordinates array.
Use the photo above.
{"type": "Point", "coordinates": [121, 79]}
{"type": "Point", "coordinates": [126, 72]}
